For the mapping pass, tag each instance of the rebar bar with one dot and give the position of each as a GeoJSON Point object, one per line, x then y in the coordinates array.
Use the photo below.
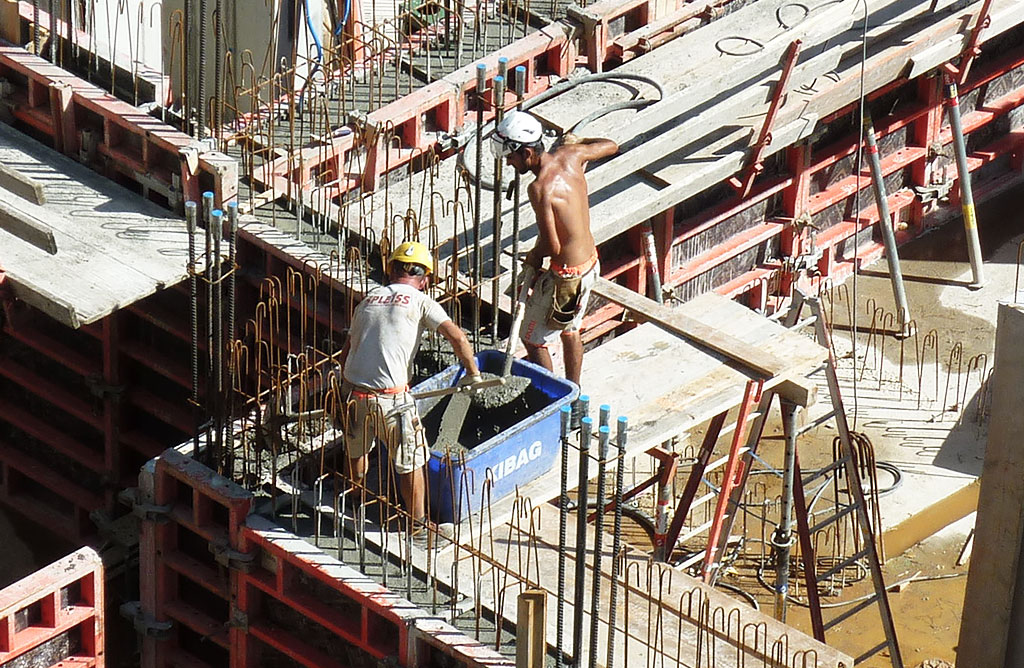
{"type": "Point", "coordinates": [215, 391]}
{"type": "Point", "coordinates": [603, 437]}
{"type": "Point", "coordinates": [586, 429]}
{"type": "Point", "coordinates": [620, 457]}
{"type": "Point", "coordinates": [190, 222]}
{"type": "Point", "coordinates": [481, 86]}
{"type": "Point", "coordinates": [564, 414]}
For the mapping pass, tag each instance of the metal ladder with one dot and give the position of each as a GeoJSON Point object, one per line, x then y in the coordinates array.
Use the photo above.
{"type": "Point", "coordinates": [846, 462]}
{"type": "Point", "coordinates": [733, 477]}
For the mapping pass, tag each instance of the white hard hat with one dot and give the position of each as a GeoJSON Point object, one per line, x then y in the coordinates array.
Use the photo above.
{"type": "Point", "coordinates": [516, 130]}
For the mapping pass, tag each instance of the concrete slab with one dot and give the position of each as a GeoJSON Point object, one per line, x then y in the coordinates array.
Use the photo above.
{"type": "Point", "coordinates": [113, 247]}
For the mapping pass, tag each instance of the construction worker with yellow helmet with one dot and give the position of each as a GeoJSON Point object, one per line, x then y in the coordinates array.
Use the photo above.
{"type": "Point", "coordinates": [377, 358]}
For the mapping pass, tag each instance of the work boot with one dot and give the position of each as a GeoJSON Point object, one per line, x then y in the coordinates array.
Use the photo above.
{"type": "Point", "coordinates": [428, 534]}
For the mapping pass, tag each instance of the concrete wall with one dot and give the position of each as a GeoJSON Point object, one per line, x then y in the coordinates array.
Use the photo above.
{"type": "Point", "coordinates": [268, 31]}
{"type": "Point", "coordinates": [128, 30]}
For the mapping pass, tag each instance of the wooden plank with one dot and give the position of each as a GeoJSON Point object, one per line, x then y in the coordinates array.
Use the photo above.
{"type": "Point", "coordinates": [21, 185]}
{"type": "Point", "coordinates": [1003, 18]}
{"type": "Point", "coordinates": [27, 226]}
{"type": "Point", "coordinates": [691, 632]}
{"type": "Point", "coordinates": [911, 531]}
{"type": "Point", "coordinates": [994, 580]}
{"type": "Point", "coordinates": [692, 174]}
{"type": "Point", "coordinates": [761, 363]}
{"type": "Point", "coordinates": [112, 247]}
{"type": "Point", "coordinates": [32, 293]}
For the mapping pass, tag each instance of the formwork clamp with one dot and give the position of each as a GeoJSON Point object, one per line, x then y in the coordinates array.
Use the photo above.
{"type": "Point", "coordinates": [143, 623]}
{"type": "Point", "coordinates": [148, 512]}
{"type": "Point", "coordinates": [228, 557]}
{"type": "Point", "coordinates": [101, 390]}
{"type": "Point", "coordinates": [239, 620]}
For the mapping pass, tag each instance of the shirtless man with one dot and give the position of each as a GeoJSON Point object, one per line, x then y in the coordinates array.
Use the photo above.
{"type": "Point", "coordinates": [559, 197]}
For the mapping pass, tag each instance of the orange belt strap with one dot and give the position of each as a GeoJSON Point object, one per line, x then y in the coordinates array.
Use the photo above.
{"type": "Point", "coordinates": [577, 271]}
{"type": "Point", "coordinates": [367, 392]}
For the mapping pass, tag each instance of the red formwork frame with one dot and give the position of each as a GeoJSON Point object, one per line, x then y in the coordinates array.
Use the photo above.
{"type": "Point", "coordinates": [131, 144]}
{"type": "Point", "coordinates": [188, 563]}
{"type": "Point", "coordinates": [64, 598]}
{"type": "Point", "coordinates": [26, 12]}
{"type": "Point", "coordinates": [99, 387]}
{"type": "Point", "coordinates": [400, 131]}
{"type": "Point", "coordinates": [184, 506]}
{"type": "Point", "coordinates": [597, 18]}
{"type": "Point", "coordinates": [922, 123]}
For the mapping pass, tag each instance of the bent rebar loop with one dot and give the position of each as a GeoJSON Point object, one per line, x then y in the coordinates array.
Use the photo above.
{"type": "Point", "coordinates": [956, 355]}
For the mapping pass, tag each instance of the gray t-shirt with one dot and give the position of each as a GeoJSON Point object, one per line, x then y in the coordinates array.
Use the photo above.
{"type": "Point", "coordinates": [385, 334]}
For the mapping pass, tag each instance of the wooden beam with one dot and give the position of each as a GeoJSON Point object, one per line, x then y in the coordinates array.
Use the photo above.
{"type": "Point", "coordinates": [930, 520]}
{"type": "Point", "coordinates": [991, 619]}
{"type": "Point", "coordinates": [27, 226]}
{"type": "Point", "coordinates": [23, 186]}
{"type": "Point", "coordinates": [735, 109]}
{"type": "Point", "coordinates": [531, 625]}
{"type": "Point", "coordinates": [762, 364]}
{"type": "Point", "coordinates": [10, 22]}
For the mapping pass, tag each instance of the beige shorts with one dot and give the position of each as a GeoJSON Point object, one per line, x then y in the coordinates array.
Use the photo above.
{"type": "Point", "coordinates": [391, 418]}
{"type": "Point", "coordinates": [538, 330]}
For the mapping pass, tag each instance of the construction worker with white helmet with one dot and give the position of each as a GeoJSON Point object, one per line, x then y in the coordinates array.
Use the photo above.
{"type": "Point", "coordinates": [559, 197]}
{"type": "Point", "coordinates": [377, 363]}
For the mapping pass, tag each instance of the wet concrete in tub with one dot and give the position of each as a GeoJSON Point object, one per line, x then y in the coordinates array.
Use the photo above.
{"type": "Point", "coordinates": [497, 397]}
{"type": "Point", "coordinates": [485, 422]}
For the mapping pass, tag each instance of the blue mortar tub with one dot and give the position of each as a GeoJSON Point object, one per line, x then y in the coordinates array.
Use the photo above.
{"type": "Point", "coordinates": [515, 456]}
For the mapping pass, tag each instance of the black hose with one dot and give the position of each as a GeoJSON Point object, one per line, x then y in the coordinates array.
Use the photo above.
{"type": "Point", "coordinates": [635, 513]}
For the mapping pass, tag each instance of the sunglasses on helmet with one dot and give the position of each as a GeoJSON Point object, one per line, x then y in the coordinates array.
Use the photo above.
{"type": "Point", "coordinates": [501, 147]}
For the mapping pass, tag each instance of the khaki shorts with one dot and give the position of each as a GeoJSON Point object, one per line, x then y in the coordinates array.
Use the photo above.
{"type": "Point", "coordinates": [392, 418]}
{"type": "Point", "coordinates": [538, 329]}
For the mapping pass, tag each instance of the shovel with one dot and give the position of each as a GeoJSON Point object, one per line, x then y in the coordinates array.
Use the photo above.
{"type": "Point", "coordinates": [513, 385]}
{"type": "Point", "coordinates": [455, 413]}
{"type": "Point", "coordinates": [458, 389]}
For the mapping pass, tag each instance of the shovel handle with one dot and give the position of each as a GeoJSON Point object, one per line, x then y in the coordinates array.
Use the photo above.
{"type": "Point", "coordinates": [517, 320]}
{"type": "Point", "coordinates": [445, 391]}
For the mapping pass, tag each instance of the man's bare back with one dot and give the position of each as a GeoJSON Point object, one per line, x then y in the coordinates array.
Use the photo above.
{"type": "Point", "coordinates": [558, 300]}
{"type": "Point", "coordinates": [560, 200]}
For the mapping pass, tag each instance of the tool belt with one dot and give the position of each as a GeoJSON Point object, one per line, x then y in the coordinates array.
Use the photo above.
{"type": "Point", "coordinates": [565, 301]}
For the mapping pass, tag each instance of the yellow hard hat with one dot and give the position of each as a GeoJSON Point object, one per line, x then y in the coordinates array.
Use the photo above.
{"type": "Point", "coordinates": [413, 252]}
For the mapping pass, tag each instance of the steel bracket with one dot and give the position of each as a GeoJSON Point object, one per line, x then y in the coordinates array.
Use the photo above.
{"type": "Point", "coordinates": [224, 555]}
{"type": "Point", "coordinates": [935, 192]}
{"type": "Point", "coordinates": [143, 623]}
{"type": "Point", "coordinates": [239, 620]}
{"type": "Point", "coordinates": [743, 183]}
{"type": "Point", "coordinates": [147, 512]}
{"type": "Point", "coordinates": [102, 390]}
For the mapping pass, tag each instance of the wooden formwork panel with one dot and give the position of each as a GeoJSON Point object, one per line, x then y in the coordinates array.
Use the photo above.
{"type": "Point", "coordinates": [54, 617]}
